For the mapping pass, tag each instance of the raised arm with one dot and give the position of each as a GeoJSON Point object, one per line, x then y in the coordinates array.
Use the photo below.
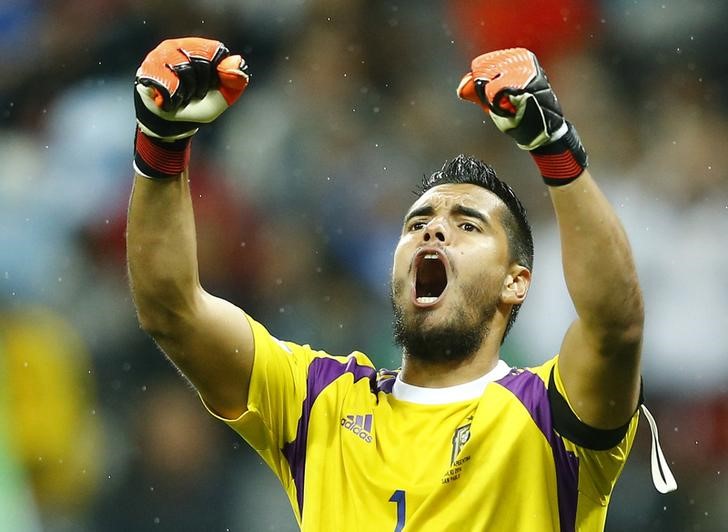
{"type": "Point", "coordinates": [180, 85]}
{"type": "Point", "coordinates": [600, 354]}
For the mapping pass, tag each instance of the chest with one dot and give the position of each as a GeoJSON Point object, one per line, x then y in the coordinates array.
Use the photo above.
{"type": "Point", "coordinates": [420, 447]}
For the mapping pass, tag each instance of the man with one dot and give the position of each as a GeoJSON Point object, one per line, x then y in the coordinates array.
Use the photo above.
{"type": "Point", "coordinates": [455, 440]}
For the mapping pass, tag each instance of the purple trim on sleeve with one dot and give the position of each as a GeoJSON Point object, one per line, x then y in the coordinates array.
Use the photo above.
{"type": "Point", "coordinates": [531, 391]}
{"type": "Point", "coordinates": [321, 372]}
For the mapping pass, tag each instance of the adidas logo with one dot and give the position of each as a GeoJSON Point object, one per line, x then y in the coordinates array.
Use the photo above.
{"type": "Point", "coordinates": [359, 425]}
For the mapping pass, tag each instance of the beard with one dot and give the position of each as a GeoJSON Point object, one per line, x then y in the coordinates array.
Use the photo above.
{"type": "Point", "coordinates": [454, 340]}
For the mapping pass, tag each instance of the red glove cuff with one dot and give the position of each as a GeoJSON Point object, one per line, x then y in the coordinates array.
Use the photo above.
{"type": "Point", "coordinates": [561, 161]}
{"type": "Point", "coordinates": [158, 159]}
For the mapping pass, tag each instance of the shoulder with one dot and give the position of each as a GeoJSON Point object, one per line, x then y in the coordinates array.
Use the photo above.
{"type": "Point", "coordinates": [563, 418]}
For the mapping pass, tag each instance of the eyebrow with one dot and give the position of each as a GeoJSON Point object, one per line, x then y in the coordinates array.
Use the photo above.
{"type": "Point", "coordinates": [470, 213]}
{"type": "Point", "coordinates": [425, 210]}
{"type": "Point", "coordinates": [428, 210]}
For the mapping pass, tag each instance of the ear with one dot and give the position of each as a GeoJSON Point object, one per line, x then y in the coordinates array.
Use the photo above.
{"type": "Point", "coordinates": [515, 285]}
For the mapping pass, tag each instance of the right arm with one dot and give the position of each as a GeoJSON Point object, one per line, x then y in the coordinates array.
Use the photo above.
{"type": "Point", "coordinates": [207, 338]}
{"type": "Point", "coordinates": [182, 84]}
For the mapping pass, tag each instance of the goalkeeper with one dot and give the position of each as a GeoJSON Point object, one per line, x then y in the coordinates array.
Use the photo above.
{"type": "Point", "coordinates": [455, 439]}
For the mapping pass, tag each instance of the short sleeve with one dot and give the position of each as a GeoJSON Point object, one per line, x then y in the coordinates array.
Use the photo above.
{"type": "Point", "coordinates": [602, 453]}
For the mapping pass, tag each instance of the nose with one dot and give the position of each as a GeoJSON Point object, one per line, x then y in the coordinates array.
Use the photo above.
{"type": "Point", "coordinates": [435, 231]}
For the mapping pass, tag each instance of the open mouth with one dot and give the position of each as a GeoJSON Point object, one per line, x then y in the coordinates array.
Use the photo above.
{"type": "Point", "coordinates": [430, 277]}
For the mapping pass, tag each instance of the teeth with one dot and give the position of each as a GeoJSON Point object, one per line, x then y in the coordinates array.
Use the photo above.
{"type": "Point", "coordinates": [431, 256]}
{"type": "Point", "coordinates": [426, 299]}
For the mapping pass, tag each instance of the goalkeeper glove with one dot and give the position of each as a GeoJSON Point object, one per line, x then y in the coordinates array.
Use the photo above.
{"type": "Point", "coordinates": [181, 84]}
{"type": "Point", "coordinates": [512, 87]}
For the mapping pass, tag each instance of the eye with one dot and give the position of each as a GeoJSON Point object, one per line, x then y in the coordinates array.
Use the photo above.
{"type": "Point", "coordinates": [467, 226]}
{"type": "Point", "coordinates": [416, 226]}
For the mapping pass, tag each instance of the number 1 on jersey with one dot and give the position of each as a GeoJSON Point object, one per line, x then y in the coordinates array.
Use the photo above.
{"type": "Point", "coordinates": [398, 497]}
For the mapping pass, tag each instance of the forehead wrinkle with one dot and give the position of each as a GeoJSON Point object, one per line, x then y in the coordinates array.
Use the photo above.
{"type": "Point", "coordinates": [478, 202]}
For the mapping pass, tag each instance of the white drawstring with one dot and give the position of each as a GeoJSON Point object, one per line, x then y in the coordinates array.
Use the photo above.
{"type": "Point", "coordinates": [662, 477]}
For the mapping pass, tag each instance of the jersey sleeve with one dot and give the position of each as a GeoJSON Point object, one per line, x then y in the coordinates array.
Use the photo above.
{"type": "Point", "coordinates": [275, 397]}
{"type": "Point", "coordinates": [601, 453]}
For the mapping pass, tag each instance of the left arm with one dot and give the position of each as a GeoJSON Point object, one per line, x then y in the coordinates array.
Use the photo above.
{"type": "Point", "coordinates": [600, 354]}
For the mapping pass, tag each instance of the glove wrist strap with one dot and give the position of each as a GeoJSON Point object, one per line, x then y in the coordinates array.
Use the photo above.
{"type": "Point", "coordinates": [157, 159]}
{"type": "Point", "coordinates": [561, 161]}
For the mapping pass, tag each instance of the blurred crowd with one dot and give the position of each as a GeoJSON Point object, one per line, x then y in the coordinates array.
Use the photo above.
{"type": "Point", "coordinates": [299, 192]}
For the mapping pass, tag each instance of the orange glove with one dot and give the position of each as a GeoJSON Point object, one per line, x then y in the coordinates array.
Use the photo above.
{"type": "Point", "coordinates": [181, 84]}
{"type": "Point", "coordinates": [513, 89]}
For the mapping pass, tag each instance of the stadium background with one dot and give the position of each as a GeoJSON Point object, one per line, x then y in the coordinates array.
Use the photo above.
{"type": "Point", "coordinates": [299, 190]}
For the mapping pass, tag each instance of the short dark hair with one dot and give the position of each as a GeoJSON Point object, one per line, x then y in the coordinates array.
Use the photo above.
{"type": "Point", "coordinates": [465, 169]}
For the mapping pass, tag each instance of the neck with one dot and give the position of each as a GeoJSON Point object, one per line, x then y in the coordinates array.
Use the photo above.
{"type": "Point", "coordinates": [428, 374]}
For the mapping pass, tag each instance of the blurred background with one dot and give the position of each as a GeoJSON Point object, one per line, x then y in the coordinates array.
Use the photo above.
{"type": "Point", "coordinates": [300, 190]}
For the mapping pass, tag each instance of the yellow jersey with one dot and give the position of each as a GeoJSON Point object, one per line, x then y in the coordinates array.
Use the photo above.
{"type": "Point", "coordinates": [358, 449]}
